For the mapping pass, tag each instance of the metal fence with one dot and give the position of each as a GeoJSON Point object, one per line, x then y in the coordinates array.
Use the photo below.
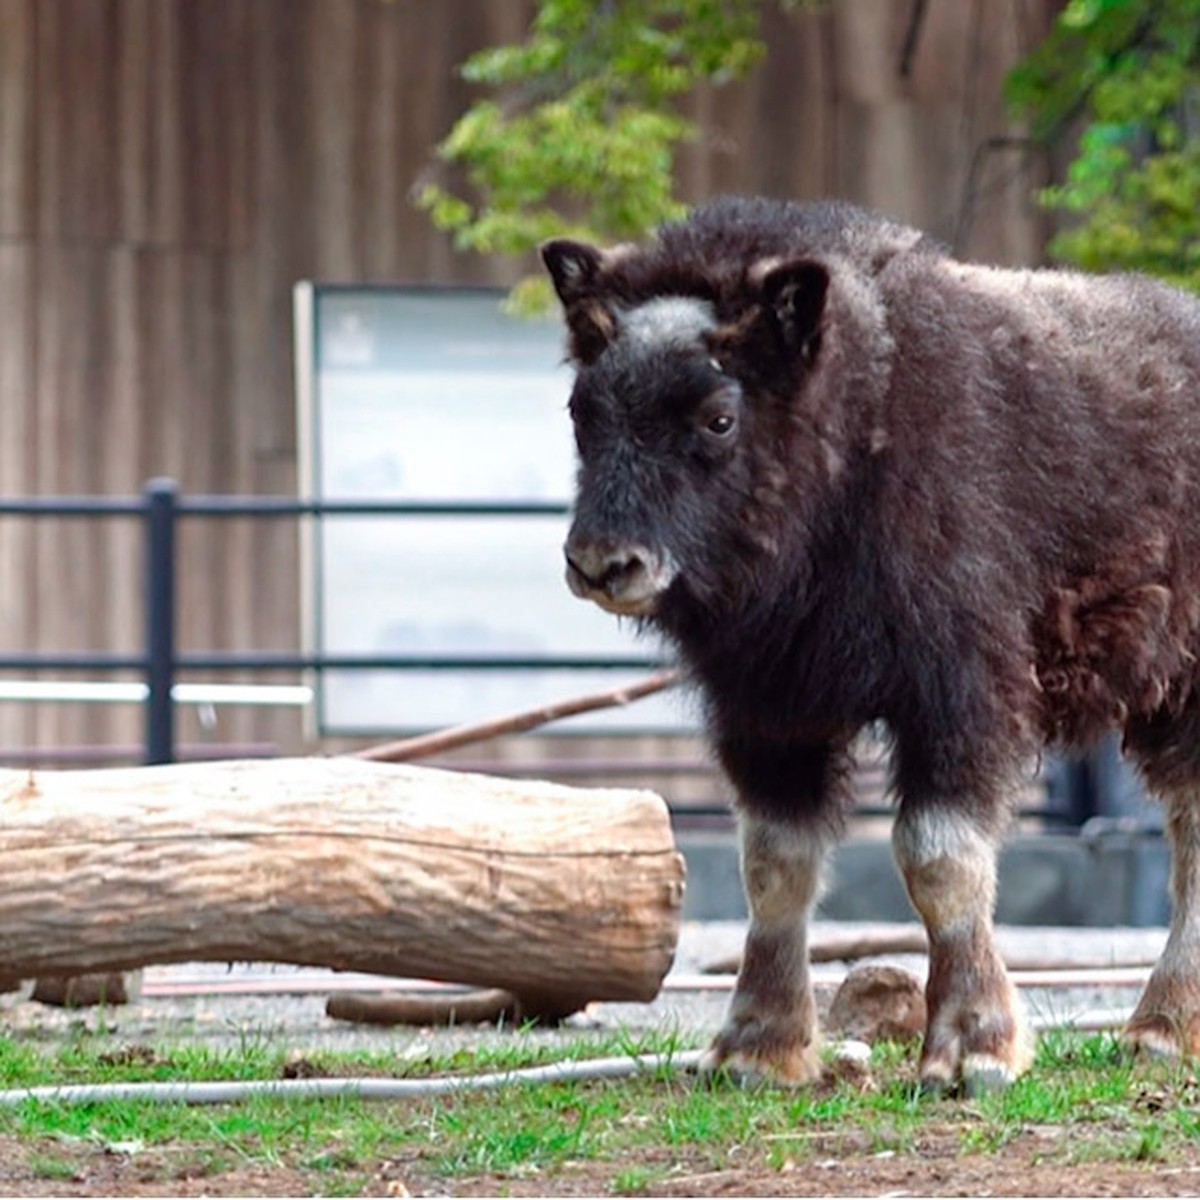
{"type": "Point", "coordinates": [160, 508]}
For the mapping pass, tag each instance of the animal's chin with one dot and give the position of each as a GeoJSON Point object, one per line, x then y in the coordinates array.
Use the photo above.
{"type": "Point", "coordinates": [626, 606]}
{"type": "Point", "coordinates": [641, 602]}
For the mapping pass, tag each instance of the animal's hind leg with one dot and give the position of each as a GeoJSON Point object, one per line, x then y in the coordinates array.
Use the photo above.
{"type": "Point", "coordinates": [975, 1031]}
{"type": "Point", "coordinates": [1166, 1022]}
{"type": "Point", "coordinates": [771, 1028]}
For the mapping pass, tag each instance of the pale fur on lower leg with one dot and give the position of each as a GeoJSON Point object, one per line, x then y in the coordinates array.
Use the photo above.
{"type": "Point", "coordinates": [1166, 1022]}
{"type": "Point", "coordinates": [974, 1024]}
{"type": "Point", "coordinates": [772, 1027]}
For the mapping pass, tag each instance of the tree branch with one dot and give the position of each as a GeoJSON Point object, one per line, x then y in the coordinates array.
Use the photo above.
{"type": "Point", "coordinates": [423, 745]}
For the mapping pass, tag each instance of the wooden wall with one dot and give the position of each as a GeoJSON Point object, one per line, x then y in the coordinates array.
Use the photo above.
{"type": "Point", "coordinates": [169, 168]}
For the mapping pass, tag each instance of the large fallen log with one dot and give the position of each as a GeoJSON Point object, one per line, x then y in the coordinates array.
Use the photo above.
{"type": "Point", "coordinates": [559, 895]}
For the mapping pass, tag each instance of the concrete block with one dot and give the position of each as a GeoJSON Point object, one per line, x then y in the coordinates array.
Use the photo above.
{"type": "Point", "coordinates": [1115, 877]}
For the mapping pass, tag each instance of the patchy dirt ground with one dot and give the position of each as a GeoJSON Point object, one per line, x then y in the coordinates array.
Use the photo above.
{"type": "Point", "coordinates": [933, 1167]}
{"type": "Point", "coordinates": [1035, 1161]}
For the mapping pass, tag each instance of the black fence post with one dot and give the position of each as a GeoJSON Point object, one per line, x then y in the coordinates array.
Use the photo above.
{"type": "Point", "coordinates": [161, 500]}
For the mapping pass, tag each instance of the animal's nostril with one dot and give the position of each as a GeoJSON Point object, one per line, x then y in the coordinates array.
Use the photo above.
{"type": "Point", "coordinates": [620, 566]}
{"type": "Point", "coordinates": [582, 565]}
{"type": "Point", "coordinates": [603, 567]}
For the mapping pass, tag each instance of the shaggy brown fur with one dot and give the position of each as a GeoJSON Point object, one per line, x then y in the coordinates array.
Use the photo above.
{"type": "Point", "coordinates": [855, 480]}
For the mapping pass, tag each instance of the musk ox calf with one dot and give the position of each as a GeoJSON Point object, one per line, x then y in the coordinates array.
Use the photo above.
{"type": "Point", "coordinates": [854, 480]}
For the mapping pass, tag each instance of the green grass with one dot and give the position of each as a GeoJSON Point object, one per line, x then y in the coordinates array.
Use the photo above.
{"type": "Point", "coordinates": [642, 1128]}
{"type": "Point", "coordinates": [52, 1166]}
{"type": "Point", "coordinates": [633, 1181]}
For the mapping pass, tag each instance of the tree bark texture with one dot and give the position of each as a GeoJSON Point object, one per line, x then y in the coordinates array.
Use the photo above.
{"type": "Point", "coordinates": [560, 895]}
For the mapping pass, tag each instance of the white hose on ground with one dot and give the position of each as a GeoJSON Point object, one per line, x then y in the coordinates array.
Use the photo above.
{"type": "Point", "coordinates": [583, 1070]}
{"type": "Point", "coordinates": [235, 1091]}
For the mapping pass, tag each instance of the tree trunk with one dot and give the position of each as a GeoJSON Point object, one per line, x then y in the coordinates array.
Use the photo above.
{"type": "Point", "coordinates": [560, 895]}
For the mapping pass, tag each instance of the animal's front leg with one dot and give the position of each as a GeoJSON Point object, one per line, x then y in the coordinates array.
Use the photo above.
{"type": "Point", "coordinates": [771, 1029]}
{"type": "Point", "coordinates": [792, 803]}
{"type": "Point", "coordinates": [975, 1031]}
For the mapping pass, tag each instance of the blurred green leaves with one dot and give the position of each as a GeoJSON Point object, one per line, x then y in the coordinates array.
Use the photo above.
{"type": "Point", "coordinates": [580, 135]}
{"type": "Point", "coordinates": [1124, 75]}
{"type": "Point", "coordinates": [579, 127]}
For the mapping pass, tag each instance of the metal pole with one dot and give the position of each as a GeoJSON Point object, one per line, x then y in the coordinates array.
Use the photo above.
{"type": "Point", "coordinates": [161, 500]}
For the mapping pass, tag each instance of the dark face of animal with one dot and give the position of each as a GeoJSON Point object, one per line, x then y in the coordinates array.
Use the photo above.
{"type": "Point", "coordinates": [657, 426]}
{"type": "Point", "coordinates": [685, 414]}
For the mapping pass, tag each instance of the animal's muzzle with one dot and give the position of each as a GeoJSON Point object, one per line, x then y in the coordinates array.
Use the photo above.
{"type": "Point", "coordinates": [621, 577]}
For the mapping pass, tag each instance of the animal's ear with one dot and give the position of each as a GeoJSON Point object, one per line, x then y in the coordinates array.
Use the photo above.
{"type": "Point", "coordinates": [573, 267]}
{"type": "Point", "coordinates": [793, 292]}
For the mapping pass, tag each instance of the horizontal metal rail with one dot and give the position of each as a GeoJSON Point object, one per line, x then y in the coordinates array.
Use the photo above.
{"type": "Point", "coordinates": [109, 754]}
{"type": "Point", "coordinates": [64, 691]}
{"type": "Point", "coordinates": [217, 660]}
{"type": "Point", "coordinates": [159, 508]}
{"type": "Point", "coordinates": [277, 507]}
{"type": "Point", "coordinates": [73, 506]}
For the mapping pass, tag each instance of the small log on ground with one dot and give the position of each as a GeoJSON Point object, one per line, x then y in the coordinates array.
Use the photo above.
{"type": "Point", "coordinates": [82, 991]}
{"type": "Point", "coordinates": [878, 941]}
{"type": "Point", "coordinates": [488, 1005]}
{"type": "Point", "coordinates": [869, 942]}
{"type": "Point", "coordinates": [559, 895]}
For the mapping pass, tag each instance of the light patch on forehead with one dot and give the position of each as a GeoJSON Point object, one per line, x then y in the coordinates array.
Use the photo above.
{"type": "Point", "coordinates": [667, 320]}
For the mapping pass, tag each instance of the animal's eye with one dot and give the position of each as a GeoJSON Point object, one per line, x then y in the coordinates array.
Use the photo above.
{"type": "Point", "coordinates": [716, 417]}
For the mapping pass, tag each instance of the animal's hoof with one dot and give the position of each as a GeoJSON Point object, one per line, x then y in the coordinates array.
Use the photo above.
{"type": "Point", "coordinates": [976, 1047]}
{"type": "Point", "coordinates": [937, 1078]}
{"type": "Point", "coordinates": [1154, 1038]}
{"type": "Point", "coordinates": [736, 1067]}
{"type": "Point", "coordinates": [750, 1055]}
{"type": "Point", "coordinates": [980, 1075]}
{"type": "Point", "coordinates": [949, 1066]}
{"type": "Point", "coordinates": [755, 1072]}
{"type": "Point", "coordinates": [984, 1073]}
